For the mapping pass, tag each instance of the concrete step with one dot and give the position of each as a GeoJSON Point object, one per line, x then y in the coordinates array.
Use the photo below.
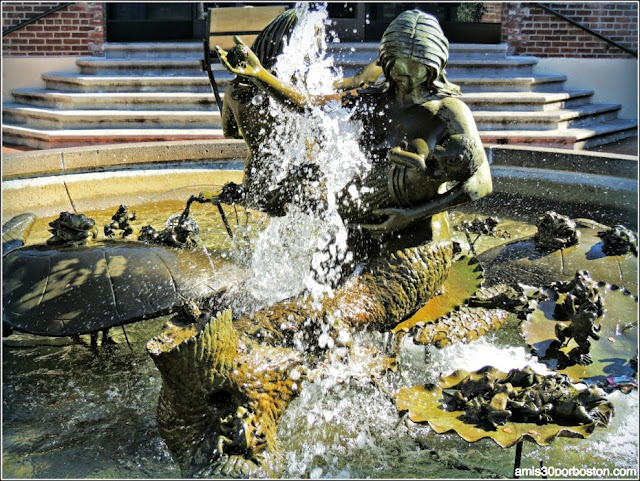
{"type": "Point", "coordinates": [72, 82]}
{"type": "Point", "coordinates": [457, 51]}
{"type": "Point", "coordinates": [542, 120]}
{"type": "Point", "coordinates": [202, 99]}
{"type": "Point", "coordinates": [508, 66]}
{"type": "Point", "coordinates": [151, 50]}
{"type": "Point", "coordinates": [573, 138]}
{"type": "Point", "coordinates": [488, 67]}
{"type": "Point", "coordinates": [529, 83]}
{"type": "Point", "coordinates": [149, 66]}
{"type": "Point", "coordinates": [48, 139]}
{"type": "Point", "coordinates": [181, 50]}
{"type": "Point", "coordinates": [527, 101]}
{"type": "Point", "coordinates": [47, 118]}
{"type": "Point", "coordinates": [195, 50]}
{"type": "Point", "coordinates": [126, 95]}
{"type": "Point", "coordinates": [467, 59]}
{"type": "Point", "coordinates": [116, 100]}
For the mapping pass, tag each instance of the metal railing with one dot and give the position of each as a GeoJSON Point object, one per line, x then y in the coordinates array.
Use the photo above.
{"type": "Point", "coordinates": [35, 18]}
{"type": "Point", "coordinates": [587, 29]}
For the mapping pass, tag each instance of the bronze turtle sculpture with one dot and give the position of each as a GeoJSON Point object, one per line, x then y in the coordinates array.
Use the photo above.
{"type": "Point", "coordinates": [53, 291]}
{"type": "Point", "coordinates": [71, 289]}
{"type": "Point", "coordinates": [572, 261]}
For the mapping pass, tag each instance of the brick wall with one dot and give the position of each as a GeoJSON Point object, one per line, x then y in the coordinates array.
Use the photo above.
{"type": "Point", "coordinates": [77, 29]}
{"type": "Point", "coordinates": [530, 30]}
{"type": "Point", "coordinates": [493, 12]}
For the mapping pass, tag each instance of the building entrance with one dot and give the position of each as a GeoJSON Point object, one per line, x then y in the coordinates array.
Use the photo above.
{"type": "Point", "coordinates": [351, 21]}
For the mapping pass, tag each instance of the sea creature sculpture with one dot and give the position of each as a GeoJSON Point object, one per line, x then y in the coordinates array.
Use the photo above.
{"type": "Point", "coordinates": [246, 114]}
{"type": "Point", "coordinates": [556, 231]}
{"type": "Point", "coordinates": [525, 261]}
{"type": "Point", "coordinates": [584, 329]}
{"type": "Point", "coordinates": [71, 229]}
{"type": "Point", "coordinates": [53, 291]}
{"type": "Point", "coordinates": [226, 383]}
{"type": "Point", "coordinates": [16, 230]}
{"type": "Point", "coordinates": [618, 240]}
{"type": "Point", "coordinates": [481, 227]}
{"type": "Point", "coordinates": [120, 221]}
{"type": "Point", "coordinates": [180, 231]}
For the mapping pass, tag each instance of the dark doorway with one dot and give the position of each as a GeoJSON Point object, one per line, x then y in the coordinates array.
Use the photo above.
{"type": "Point", "coordinates": [460, 23]}
{"type": "Point", "coordinates": [351, 21]}
{"type": "Point", "coordinates": [151, 22]}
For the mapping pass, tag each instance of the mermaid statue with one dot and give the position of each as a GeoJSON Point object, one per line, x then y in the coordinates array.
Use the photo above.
{"type": "Point", "coordinates": [422, 141]}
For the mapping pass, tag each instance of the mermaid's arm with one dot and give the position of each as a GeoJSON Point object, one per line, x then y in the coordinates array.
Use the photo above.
{"type": "Point", "coordinates": [265, 80]}
{"type": "Point", "coordinates": [369, 74]}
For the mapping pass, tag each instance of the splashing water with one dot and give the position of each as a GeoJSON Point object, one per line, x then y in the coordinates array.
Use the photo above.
{"type": "Point", "coordinates": [302, 251]}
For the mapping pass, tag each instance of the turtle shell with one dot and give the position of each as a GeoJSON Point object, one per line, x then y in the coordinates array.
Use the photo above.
{"type": "Point", "coordinates": [61, 291]}
{"type": "Point", "coordinates": [523, 262]}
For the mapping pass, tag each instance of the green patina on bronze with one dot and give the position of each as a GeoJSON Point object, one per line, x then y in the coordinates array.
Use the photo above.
{"type": "Point", "coordinates": [227, 383]}
{"type": "Point", "coordinates": [506, 407]}
{"type": "Point", "coordinates": [590, 343]}
{"type": "Point", "coordinates": [53, 291]}
{"type": "Point", "coordinates": [222, 398]}
{"type": "Point", "coordinates": [71, 229]}
{"type": "Point", "coordinates": [465, 279]}
{"type": "Point", "coordinates": [618, 240]}
{"type": "Point", "coordinates": [16, 231]}
{"type": "Point", "coordinates": [526, 261]}
{"type": "Point", "coordinates": [424, 146]}
{"type": "Point", "coordinates": [417, 36]}
{"type": "Point", "coordinates": [120, 221]}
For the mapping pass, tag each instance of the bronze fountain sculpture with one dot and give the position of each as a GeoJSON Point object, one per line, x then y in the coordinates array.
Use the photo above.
{"type": "Point", "coordinates": [228, 379]}
{"type": "Point", "coordinates": [426, 158]}
{"type": "Point", "coordinates": [420, 139]}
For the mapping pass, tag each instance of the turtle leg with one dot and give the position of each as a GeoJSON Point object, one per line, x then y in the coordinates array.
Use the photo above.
{"type": "Point", "coordinates": [107, 339]}
{"type": "Point", "coordinates": [7, 330]}
{"type": "Point", "coordinates": [94, 341]}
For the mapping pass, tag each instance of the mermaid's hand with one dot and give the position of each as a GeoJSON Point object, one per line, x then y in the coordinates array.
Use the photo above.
{"type": "Point", "coordinates": [397, 220]}
{"type": "Point", "coordinates": [248, 64]}
{"type": "Point", "coordinates": [400, 156]}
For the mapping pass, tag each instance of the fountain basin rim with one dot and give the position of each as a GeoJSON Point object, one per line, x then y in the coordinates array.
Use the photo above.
{"type": "Point", "coordinates": [77, 179]}
{"type": "Point", "coordinates": [103, 157]}
{"type": "Point", "coordinates": [39, 163]}
{"type": "Point", "coordinates": [575, 161]}
{"type": "Point", "coordinates": [96, 190]}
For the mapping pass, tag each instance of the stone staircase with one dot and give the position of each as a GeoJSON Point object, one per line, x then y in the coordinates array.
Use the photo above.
{"type": "Point", "coordinates": [156, 91]}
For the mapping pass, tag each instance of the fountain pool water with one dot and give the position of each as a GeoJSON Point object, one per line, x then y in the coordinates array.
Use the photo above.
{"type": "Point", "coordinates": [68, 413]}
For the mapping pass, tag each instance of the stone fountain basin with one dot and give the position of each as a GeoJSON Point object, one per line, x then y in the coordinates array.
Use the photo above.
{"type": "Point", "coordinates": [526, 180]}
{"type": "Point", "coordinates": [601, 186]}
{"type": "Point", "coordinates": [585, 184]}
{"type": "Point", "coordinates": [47, 182]}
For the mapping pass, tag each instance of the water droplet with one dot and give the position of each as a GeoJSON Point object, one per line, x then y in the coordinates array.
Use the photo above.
{"type": "Point", "coordinates": [257, 99]}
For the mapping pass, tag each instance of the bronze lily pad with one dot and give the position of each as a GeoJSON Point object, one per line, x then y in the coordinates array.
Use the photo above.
{"type": "Point", "coordinates": [430, 403]}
